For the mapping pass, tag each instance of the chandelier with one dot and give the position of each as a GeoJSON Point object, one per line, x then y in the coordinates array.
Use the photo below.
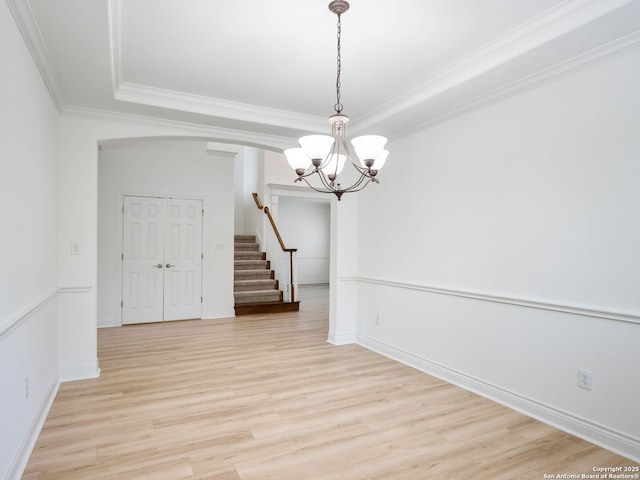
{"type": "Point", "coordinates": [325, 156]}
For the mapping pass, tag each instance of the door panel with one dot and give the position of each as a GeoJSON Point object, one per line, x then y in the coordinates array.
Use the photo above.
{"type": "Point", "coordinates": [142, 288]}
{"type": "Point", "coordinates": [183, 255]}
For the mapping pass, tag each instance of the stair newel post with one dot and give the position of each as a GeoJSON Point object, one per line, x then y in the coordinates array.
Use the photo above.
{"type": "Point", "coordinates": [293, 288]}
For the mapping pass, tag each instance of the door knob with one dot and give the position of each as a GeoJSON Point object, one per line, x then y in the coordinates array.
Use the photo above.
{"type": "Point", "coordinates": [168, 265]}
{"type": "Point", "coordinates": [158, 265]}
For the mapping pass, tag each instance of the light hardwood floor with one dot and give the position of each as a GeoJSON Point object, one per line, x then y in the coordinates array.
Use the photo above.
{"type": "Point", "coordinates": [266, 397]}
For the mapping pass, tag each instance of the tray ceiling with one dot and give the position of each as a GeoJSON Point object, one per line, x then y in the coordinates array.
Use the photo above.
{"type": "Point", "coordinates": [269, 67]}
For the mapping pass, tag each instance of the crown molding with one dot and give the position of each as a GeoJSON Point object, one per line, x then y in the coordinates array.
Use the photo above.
{"type": "Point", "coordinates": [23, 16]}
{"type": "Point", "coordinates": [214, 134]}
{"type": "Point", "coordinates": [216, 107]}
{"type": "Point", "coordinates": [538, 31]}
{"type": "Point", "coordinates": [601, 54]}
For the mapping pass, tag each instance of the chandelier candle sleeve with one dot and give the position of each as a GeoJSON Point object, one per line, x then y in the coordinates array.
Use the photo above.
{"type": "Point", "coordinates": [324, 156]}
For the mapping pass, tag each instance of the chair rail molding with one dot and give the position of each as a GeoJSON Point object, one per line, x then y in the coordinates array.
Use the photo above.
{"type": "Point", "coordinates": [586, 311]}
{"type": "Point", "coordinates": [13, 321]}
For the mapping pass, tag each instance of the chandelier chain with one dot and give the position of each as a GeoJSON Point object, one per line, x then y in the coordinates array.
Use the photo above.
{"type": "Point", "coordinates": [338, 105]}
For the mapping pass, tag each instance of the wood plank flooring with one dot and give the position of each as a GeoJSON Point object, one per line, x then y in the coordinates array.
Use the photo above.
{"type": "Point", "coordinates": [266, 397]}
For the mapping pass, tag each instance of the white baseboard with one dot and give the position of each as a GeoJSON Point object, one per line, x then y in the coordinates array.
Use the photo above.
{"type": "Point", "coordinates": [108, 322]}
{"type": "Point", "coordinates": [342, 338]}
{"type": "Point", "coordinates": [214, 315]}
{"type": "Point", "coordinates": [600, 435]}
{"type": "Point", "coordinates": [19, 463]}
{"type": "Point", "coordinates": [80, 372]}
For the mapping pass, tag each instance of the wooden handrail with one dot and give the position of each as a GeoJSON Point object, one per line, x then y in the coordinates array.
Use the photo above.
{"type": "Point", "coordinates": [257, 200]}
{"type": "Point", "coordinates": [291, 251]}
{"type": "Point", "coordinates": [275, 230]}
{"type": "Point", "coordinates": [273, 224]}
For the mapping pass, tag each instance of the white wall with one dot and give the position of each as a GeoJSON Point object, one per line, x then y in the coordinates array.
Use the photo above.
{"type": "Point", "coordinates": [304, 224]}
{"type": "Point", "coordinates": [506, 252]}
{"type": "Point", "coordinates": [248, 219]}
{"type": "Point", "coordinates": [166, 168]}
{"type": "Point", "coordinates": [28, 267]}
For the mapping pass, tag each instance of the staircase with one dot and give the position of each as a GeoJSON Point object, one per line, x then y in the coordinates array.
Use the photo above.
{"type": "Point", "coordinates": [254, 287]}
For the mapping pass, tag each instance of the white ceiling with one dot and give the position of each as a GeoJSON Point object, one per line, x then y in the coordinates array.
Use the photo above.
{"type": "Point", "coordinates": [268, 67]}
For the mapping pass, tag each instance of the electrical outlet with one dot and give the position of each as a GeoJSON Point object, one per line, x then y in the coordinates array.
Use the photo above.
{"type": "Point", "coordinates": [26, 387]}
{"type": "Point", "coordinates": [585, 379]}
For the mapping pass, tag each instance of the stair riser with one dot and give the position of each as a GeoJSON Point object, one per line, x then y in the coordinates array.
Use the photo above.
{"type": "Point", "coordinates": [250, 275]}
{"type": "Point", "coordinates": [252, 309]}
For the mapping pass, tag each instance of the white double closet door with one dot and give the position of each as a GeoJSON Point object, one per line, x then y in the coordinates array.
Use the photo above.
{"type": "Point", "coordinates": [161, 259]}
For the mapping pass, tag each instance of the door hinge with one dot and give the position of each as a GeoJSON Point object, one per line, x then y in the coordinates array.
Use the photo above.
{"type": "Point", "coordinates": [122, 256]}
{"type": "Point", "coordinates": [203, 213]}
{"type": "Point", "coordinates": [200, 299]}
{"type": "Point", "coordinates": [202, 256]}
{"type": "Point", "coordinates": [122, 208]}
{"type": "Point", "coordinates": [121, 303]}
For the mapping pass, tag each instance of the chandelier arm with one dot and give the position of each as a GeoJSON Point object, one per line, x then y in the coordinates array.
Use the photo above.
{"type": "Point", "coordinates": [328, 184]}
{"type": "Point", "coordinates": [321, 190]}
{"type": "Point", "coordinates": [354, 187]}
{"type": "Point", "coordinates": [306, 174]}
{"type": "Point", "coordinates": [360, 168]}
